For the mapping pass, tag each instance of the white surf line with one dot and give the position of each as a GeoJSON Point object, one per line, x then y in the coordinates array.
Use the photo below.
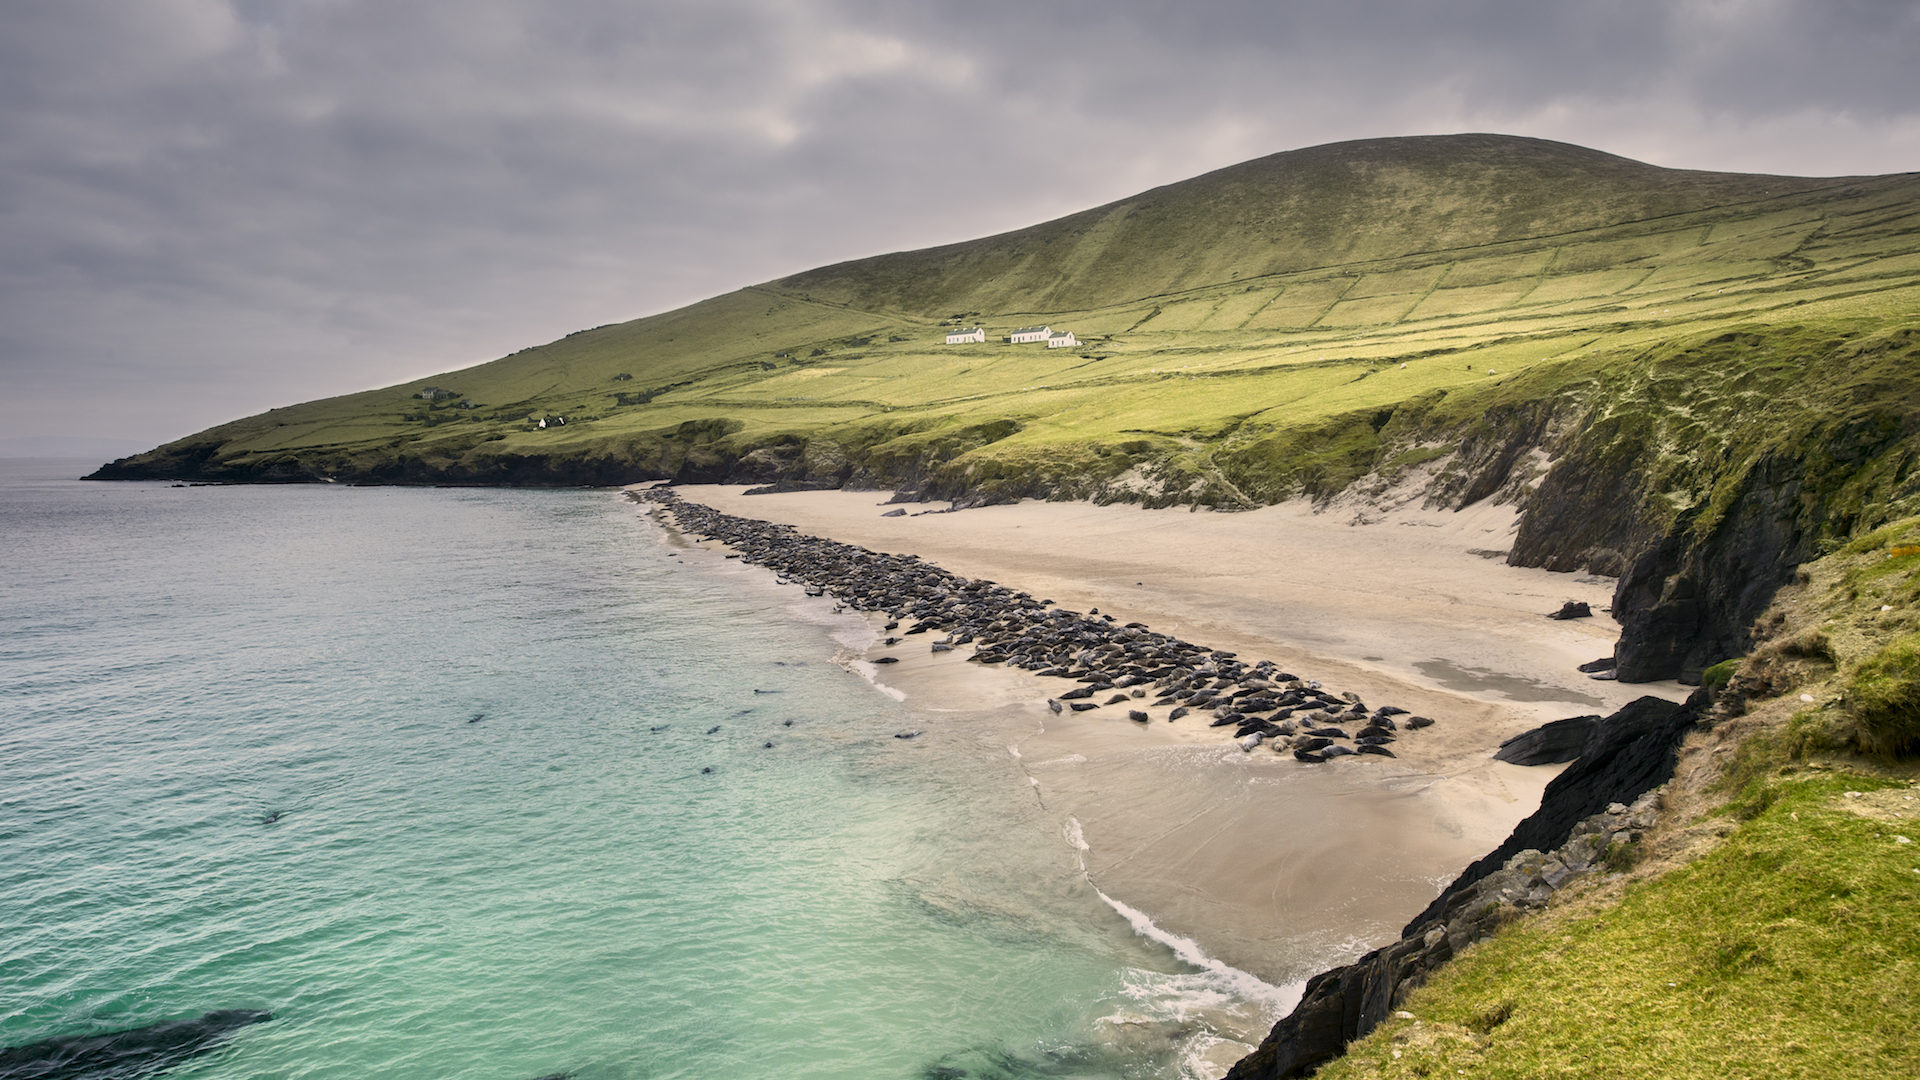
{"type": "Point", "coordinates": [869, 671]}
{"type": "Point", "coordinates": [1244, 984]}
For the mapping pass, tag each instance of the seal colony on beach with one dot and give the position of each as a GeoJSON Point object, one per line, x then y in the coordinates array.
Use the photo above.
{"type": "Point", "coordinates": [1126, 661]}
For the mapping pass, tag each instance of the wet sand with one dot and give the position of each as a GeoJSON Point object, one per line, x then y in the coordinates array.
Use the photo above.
{"type": "Point", "coordinates": [1273, 866]}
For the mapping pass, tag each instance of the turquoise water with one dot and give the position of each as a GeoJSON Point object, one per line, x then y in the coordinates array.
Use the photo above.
{"type": "Point", "coordinates": [428, 773]}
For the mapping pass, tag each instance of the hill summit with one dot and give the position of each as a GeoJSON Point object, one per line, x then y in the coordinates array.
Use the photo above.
{"type": "Point", "coordinates": [1346, 203]}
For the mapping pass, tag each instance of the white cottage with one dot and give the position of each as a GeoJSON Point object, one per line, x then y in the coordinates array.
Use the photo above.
{"type": "Point", "coordinates": [971, 335]}
{"type": "Point", "coordinates": [1062, 340]}
{"type": "Point", "coordinates": [1029, 333]}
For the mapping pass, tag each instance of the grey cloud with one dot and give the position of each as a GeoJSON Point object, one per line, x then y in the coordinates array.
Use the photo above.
{"type": "Point", "coordinates": [258, 201]}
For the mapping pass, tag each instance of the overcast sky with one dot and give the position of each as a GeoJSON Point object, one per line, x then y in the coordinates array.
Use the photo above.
{"type": "Point", "coordinates": [210, 207]}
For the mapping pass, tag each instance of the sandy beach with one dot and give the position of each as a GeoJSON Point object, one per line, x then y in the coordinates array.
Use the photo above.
{"type": "Point", "coordinates": [1275, 867]}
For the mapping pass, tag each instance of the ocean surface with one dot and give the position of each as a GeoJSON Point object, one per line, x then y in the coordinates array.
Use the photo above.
{"type": "Point", "coordinates": [490, 785]}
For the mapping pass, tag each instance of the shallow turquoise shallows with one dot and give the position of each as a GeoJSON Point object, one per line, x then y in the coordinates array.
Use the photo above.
{"type": "Point", "coordinates": [431, 776]}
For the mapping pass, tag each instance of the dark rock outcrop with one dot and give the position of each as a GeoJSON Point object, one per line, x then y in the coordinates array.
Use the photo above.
{"type": "Point", "coordinates": [1629, 753]}
{"type": "Point", "coordinates": [1550, 743]}
{"type": "Point", "coordinates": [1582, 811]}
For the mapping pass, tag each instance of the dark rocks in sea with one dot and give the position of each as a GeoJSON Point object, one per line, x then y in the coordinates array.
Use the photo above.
{"type": "Point", "coordinates": [1550, 743]}
{"type": "Point", "coordinates": [124, 1055]}
{"type": "Point", "coordinates": [1005, 626]}
{"type": "Point", "coordinates": [1604, 798]}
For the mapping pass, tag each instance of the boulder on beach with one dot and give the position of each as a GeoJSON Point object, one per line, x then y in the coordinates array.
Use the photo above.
{"type": "Point", "coordinates": [1550, 743]}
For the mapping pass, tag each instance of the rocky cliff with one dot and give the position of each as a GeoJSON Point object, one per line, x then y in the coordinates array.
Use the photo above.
{"type": "Point", "coordinates": [1595, 804]}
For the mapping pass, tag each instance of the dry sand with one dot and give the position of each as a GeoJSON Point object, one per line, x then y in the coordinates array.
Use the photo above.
{"type": "Point", "coordinates": [1272, 866]}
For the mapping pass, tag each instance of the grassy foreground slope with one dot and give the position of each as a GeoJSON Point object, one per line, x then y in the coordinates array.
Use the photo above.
{"type": "Point", "coordinates": [1770, 925]}
{"type": "Point", "coordinates": [1245, 335]}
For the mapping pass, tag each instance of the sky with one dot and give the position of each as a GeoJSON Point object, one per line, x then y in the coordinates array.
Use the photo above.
{"type": "Point", "coordinates": [212, 207]}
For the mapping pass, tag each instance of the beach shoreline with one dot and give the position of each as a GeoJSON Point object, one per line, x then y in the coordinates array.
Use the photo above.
{"type": "Point", "coordinates": [1276, 868]}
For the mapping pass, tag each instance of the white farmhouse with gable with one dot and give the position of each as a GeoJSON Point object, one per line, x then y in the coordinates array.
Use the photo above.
{"type": "Point", "coordinates": [971, 334]}
{"type": "Point", "coordinates": [1029, 333]}
{"type": "Point", "coordinates": [1062, 340]}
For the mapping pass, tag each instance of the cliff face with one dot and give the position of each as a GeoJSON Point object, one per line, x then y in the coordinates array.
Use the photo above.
{"type": "Point", "coordinates": [1700, 475]}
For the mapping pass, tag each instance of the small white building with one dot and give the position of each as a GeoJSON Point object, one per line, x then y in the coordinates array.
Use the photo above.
{"type": "Point", "coordinates": [1029, 333]}
{"type": "Point", "coordinates": [1062, 340]}
{"type": "Point", "coordinates": [971, 335]}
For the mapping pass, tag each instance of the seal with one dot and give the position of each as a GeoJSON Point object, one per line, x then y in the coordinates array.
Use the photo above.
{"type": "Point", "coordinates": [134, 1052]}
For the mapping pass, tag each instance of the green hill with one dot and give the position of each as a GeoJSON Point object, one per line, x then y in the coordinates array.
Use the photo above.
{"type": "Point", "coordinates": [1638, 354]}
{"type": "Point", "coordinates": [1274, 294]}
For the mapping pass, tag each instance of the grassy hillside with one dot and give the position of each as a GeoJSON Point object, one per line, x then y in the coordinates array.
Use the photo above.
{"type": "Point", "coordinates": [1294, 293]}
